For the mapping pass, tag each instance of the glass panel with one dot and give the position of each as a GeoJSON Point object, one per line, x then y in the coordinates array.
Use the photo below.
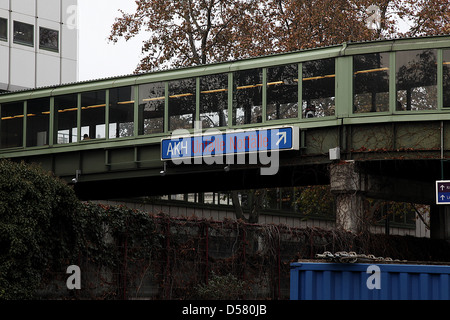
{"type": "Point", "coordinates": [416, 74]}
{"type": "Point", "coordinates": [23, 33]}
{"type": "Point", "coordinates": [38, 122]}
{"type": "Point", "coordinates": [371, 82]}
{"type": "Point", "coordinates": [3, 29]}
{"type": "Point", "coordinates": [272, 199]}
{"type": "Point", "coordinates": [66, 118]}
{"type": "Point", "coordinates": [182, 104]}
{"type": "Point", "coordinates": [282, 92]}
{"type": "Point", "coordinates": [208, 198]}
{"type": "Point", "coordinates": [287, 199]}
{"type": "Point", "coordinates": [224, 198]}
{"type": "Point", "coordinates": [151, 108]}
{"type": "Point", "coordinates": [191, 197]}
{"type": "Point", "coordinates": [12, 125]}
{"type": "Point", "coordinates": [318, 88]}
{"type": "Point", "coordinates": [446, 80]}
{"type": "Point", "coordinates": [247, 92]}
{"type": "Point", "coordinates": [214, 100]}
{"type": "Point", "coordinates": [178, 197]}
{"type": "Point", "coordinates": [48, 39]}
{"type": "Point", "coordinates": [93, 115]}
{"type": "Point", "coordinates": [121, 112]}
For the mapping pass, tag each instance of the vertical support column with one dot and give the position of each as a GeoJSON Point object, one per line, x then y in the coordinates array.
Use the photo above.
{"type": "Point", "coordinates": [344, 84]}
{"type": "Point", "coordinates": [440, 222]}
{"type": "Point", "coordinates": [345, 183]}
{"type": "Point", "coordinates": [230, 100]}
{"type": "Point", "coordinates": [349, 211]}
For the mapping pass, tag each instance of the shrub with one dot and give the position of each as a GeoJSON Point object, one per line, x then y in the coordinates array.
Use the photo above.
{"type": "Point", "coordinates": [37, 227]}
{"type": "Point", "coordinates": [226, 287]}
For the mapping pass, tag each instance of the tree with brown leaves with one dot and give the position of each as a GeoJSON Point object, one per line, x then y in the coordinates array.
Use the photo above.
{"type": "Point", "coordinates": [194, 32]}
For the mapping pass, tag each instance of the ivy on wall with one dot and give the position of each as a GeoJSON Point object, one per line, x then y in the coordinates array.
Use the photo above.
{"type": "Point", "coordinates": [125, 253]}
{"type": "Point", "coordinates": [38, 227]}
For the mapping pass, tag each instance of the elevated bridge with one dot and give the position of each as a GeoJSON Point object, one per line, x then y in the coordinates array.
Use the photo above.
{"type": "Point", "coordinates": [370, 118]}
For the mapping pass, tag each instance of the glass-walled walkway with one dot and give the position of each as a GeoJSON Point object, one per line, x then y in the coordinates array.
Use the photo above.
{"type": "Point", "coordinates": [349, 81]}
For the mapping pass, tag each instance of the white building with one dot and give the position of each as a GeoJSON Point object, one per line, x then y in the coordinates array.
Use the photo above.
{"type": "Point", "coordinates": [38, 43]}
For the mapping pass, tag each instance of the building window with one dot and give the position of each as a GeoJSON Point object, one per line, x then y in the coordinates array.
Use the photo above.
{"type": "Point", "coordinates": [12, 125]}
{"type": "Point", "coordinates": [48, 39]}
{"type": "Point", "coordinates": [121, 112]}
{"type": "Point", "coordinates": [282, 92]}
{"type": "Point", "coordinates": [214, 100]}
{"type": "Point", "coordinates": [38, 122]}
{"type": "Point", "coordinates": [319, 88]}
{"type": "Point", "coordinates": [371, 82]}
{"type": "Point", "coordinates": [416, 75]}
{"type": "Point", "coordinates": [23, 33]}
{"type": "Point", "coordinates": [182, 104]}
{"type": "Point", "coordinates": [247, 102]}
{"type": "Point", "coordinates": [3, 29]}
{"type": "Point", "coordinates": [151, 108]}
{"type": "Point", "coordinates": [66, 118]}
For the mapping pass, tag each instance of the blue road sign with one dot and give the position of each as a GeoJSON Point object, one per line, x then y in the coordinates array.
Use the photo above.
{"type": "Point", "coordinates": [230, 142]}
{"type": "Point", "coordinates": [443, 192]}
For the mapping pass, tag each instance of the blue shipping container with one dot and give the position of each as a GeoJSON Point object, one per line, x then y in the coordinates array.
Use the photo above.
{"type": "Point", "coordinates": [361, 281]}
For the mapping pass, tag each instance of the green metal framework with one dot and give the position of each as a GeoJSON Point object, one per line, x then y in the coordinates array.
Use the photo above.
{"type": "Point", "coordinates": [339, 125]}
{"type": "Point", "coordinates": [343, 55]}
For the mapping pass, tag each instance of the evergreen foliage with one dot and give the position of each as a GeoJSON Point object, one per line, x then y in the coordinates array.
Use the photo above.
{"type": "Point", "coordinates": [37, 227]}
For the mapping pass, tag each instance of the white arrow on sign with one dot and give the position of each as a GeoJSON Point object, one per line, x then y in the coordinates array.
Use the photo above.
{"type": "Point", "coordinates": [442, 187]}
{"type": "Point", "coordinates": [442, 197]}
{"type": "Point", "coordinates": [283, 137]}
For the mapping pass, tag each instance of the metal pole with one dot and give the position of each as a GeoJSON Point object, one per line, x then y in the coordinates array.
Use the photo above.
{"type": "Point", "coordinates": [207, 253]}
{"type": "Point", "coordinates": [125, 258]}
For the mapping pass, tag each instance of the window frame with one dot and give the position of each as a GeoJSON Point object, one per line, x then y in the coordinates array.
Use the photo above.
{"type": "Point", "coordinates": [309, 111]}
{"type": "Point", "coordinates": [121, 111]}
{"type": "Point", "coordinates": [214, 93]}
{"type": "Point", "coordinates": [182, 94]}
{"type": "Point", "coordinates": [17, 116]}
{"type": "Point", "coordinates": [248, 87]}
{"type": "Point", "coordinates": [93, 124]}
{"type": "Point", "coordinates": [38, 118]}
{"type": "Point", "coordinates": [23, 42]}
{"type": "Point", "coordinates": [151, 97]}
{"type": "Point", "coordinates": [5, 37]}
{"type": "Point", "coordinates": [411, 105]}
{"type": "Point", "coordinates": [46, 47]}
{"type": "Point", "coordinates": [68, 113]}
{"type": "Point", "coordinates": [385, 66]}
{"type": "Point", "coordinates": [282, 85]}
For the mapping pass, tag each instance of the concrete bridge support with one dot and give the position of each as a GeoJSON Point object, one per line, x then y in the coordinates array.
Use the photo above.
{"type": "Point", "coordinates": [345, 181]}
{"type": "Point", "coordinates": [350, 184]}
{"type": "Point", "coordinates": [349, 211]}
{"type": "Point", "coordinates": [440, 222]}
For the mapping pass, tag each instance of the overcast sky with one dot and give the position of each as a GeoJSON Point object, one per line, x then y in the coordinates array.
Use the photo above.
{"type": "Point", "coordinates": [98, 58]}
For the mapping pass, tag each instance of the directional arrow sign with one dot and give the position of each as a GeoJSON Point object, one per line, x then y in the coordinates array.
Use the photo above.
{"type": "Point", "coordinates": [230, 142]}
{"type": "Point", "coordinates": [443, 192]}
{"type": "Point", "coordinates": [283, 137]}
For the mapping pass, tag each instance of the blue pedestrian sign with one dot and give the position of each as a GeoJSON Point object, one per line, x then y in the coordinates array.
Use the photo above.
{"type": "Point", "coordinates": [443, 192]}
